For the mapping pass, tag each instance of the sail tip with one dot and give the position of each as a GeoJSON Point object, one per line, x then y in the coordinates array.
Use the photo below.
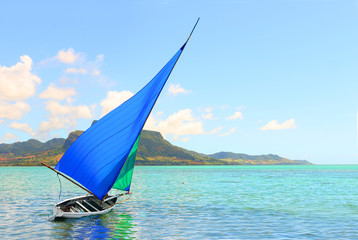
{"type": "Point", "coordinates": [182, 48]}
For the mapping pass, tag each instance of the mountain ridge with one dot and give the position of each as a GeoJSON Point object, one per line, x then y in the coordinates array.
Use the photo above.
{"type": "Point", "coordinates": [153, 149]}
{"type": "Point", "coordinates": [245, 159]}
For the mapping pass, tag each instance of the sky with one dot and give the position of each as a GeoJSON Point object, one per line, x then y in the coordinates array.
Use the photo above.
{"type": "Point", "coordinates": [257, 76]}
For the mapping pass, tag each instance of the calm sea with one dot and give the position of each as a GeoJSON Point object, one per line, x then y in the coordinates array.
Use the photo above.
{"type": "Point", "coordinates": [211, 202]}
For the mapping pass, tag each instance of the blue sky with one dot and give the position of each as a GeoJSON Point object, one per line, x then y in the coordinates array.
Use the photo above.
{"type": "Point", "coordinates": [257, 77]}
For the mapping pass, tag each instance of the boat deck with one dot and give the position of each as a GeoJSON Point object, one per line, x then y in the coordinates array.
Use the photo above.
{"type": "Point", "coordinates": [86, 204]}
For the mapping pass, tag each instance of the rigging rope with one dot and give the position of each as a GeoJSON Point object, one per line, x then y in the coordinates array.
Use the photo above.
{"type": "Point", "coordinates": [59, 196]}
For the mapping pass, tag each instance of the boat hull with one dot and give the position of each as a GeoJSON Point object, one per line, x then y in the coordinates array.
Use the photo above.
{"type": "Point", "coordinates": [82, 206]}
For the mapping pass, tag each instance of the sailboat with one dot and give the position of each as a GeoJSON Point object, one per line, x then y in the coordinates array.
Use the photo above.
{"type": "Point", "coordinates": [102, 158]}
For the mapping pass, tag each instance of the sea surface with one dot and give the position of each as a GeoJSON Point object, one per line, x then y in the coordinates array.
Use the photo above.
{"type": "Point", "coordinates": [196, 202]}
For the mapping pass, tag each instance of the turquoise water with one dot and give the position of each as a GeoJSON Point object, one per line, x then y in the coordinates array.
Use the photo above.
{"type": "Point", "coordinates": [211, 202]}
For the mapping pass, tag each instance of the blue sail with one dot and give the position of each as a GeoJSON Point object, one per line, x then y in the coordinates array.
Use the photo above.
{"type": "Point", "coordinates": [96, 158]}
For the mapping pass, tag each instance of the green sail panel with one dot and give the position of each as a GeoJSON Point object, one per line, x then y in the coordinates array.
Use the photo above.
{"type": "Point", "coordinates": [124, 178]}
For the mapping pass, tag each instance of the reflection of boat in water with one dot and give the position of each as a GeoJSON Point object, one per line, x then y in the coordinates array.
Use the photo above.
{"type": "Point", "coordinates": [113, 225]}
{"type": "Point", "coordinates": [103, 157]}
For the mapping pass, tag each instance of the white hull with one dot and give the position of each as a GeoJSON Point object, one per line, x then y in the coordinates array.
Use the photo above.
{"type": "Point", "coordinates": [82, 206]}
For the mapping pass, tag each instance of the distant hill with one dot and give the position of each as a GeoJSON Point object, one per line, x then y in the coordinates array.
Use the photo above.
{"type": "Point", "coordinates": [71, 138]}
{"type": "Point", "coordinates": [153, 150]}
{"type": "Point", "coordinates": [240, 158]}
{"type": "Point", "coordinates": [31, 146]}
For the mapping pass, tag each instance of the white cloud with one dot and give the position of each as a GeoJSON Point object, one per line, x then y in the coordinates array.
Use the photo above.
{"type": "Point", "coordinates": [56, 93]}
{"type": "Point", "coordinates": [96, 72]}
{"type": "Point", "coordinates": [96, 65]}
{"type": "Point", "coordinates": [79, 59]}
{"type": "Point", "coordinates": [53, 123]}
{"type": "Point", "coordinates": [216, 130]}
{"type": "Point", "coordinates": [13, 111]}
{"type": "Point", "coordinates": [232, 130]}
{"type": "Point", "coordinates": [208, 116]}
{"type": "Point", "coordinates": [8, 137]}
{"type": "Point", "coordinates": [177, 138]}
{"type": "Point", "coordinates": [17, 82]}
{"type": "Point", "coordinates": [180, 123]}
{"type": "Point", "coordinates": [80, 65]}
{"type": "Point", "coordinates": [76, 70]}
{"type": "Point", "coordinates": [68, 56]}
{"type": "Point", "coordinates": [74, 112]}
{"type": "Point", "coordinates": [66, 80]}
{"type": "Point", "coordinates": [23, 127]}
{"type": "Point", "coordinates": [274, 125]}
{"type": "Point", "coordinates": [185, 139]}
{"type": "Point", "coordinates": [99, 57]}
{"type": "Point", "coordinates": [113, 100]}
{"type": "Point", "coordinates": [175, 89]}
{"type": "Point", "coordinates": [150, 123]}
{"type": "Point", "coordinates": [236, 116]}
{"type": "Point", "coordinates": [63, 116]}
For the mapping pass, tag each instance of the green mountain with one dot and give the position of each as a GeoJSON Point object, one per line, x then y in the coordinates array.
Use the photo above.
{"type": "Point", "coordinates": [153, 150]}
{"type": "Point", "coordinates": [240, 158]}
{"type": "Point", "coordinates": [31, 146]}
{"type": "Point", "coordinates": [71, 138]}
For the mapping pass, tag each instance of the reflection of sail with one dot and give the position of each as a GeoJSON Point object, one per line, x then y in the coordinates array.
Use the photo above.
{"type": "Point", "coordinates": [123, 228]}
{"type": "Point", "coordinates": [110, 226]}
{"type": "Point", "coordinates": [92, 228]}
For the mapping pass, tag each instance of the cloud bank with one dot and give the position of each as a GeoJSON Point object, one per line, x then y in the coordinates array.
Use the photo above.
{"type": "Point", "coordinates": [175, 89]}
{"type": "Point", "coordinates": [236, 116]}
{"type": "Point", "coordinates": [56, 93]}
{"type": "Point", "coordinates": [17, 82]}
{"type": "Point", "coordinates": [68, 56]}
{"type": "Point", "coordinates": [274, 125]}
{"type": "Point", "coordinates": [180, 123]}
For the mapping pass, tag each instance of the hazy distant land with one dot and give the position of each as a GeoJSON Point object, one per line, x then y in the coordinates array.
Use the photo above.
{"type": "Point", "coordinates": [153, 150]}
